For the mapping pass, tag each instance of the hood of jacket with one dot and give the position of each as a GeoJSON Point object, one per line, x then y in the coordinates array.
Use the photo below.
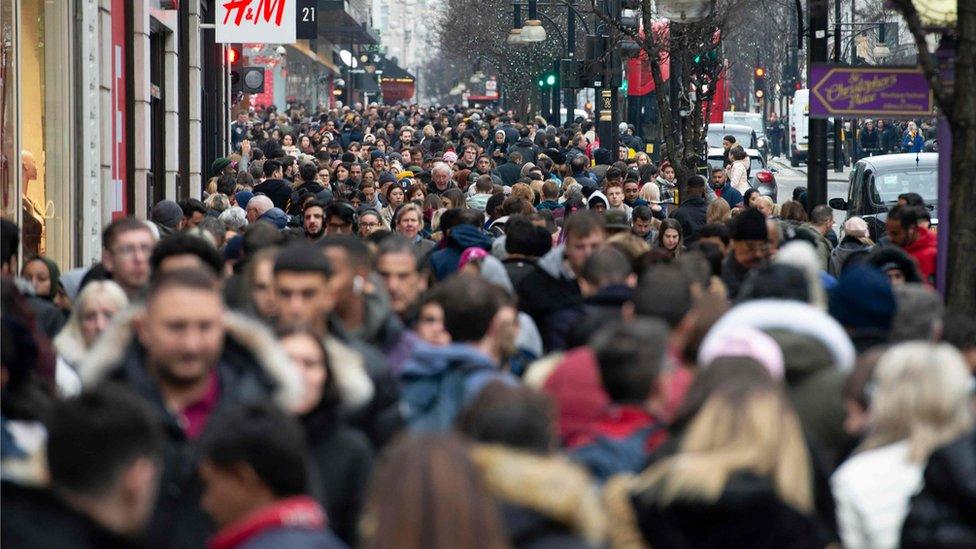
{"type": "Point", "coordinates": [467, 236]}
{"type": "Point", "coordinates": [796, 317]}
{"type": "Point", "coordinates": [110, 354]}
{"type": "Point", "coordinates": [552, 263]}
{"type": "Point", "coordinates": [275, 216]}
{"type": "Point", "coordinates": [431, 360]}
{"type": "Point", "coordinates": [551, 486]}
{"type": "Point", "coordinates": [598, 195]}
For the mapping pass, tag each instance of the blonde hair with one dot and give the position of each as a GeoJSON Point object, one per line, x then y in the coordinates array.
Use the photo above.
{"type": "Point", "coordinates": [740, 428]}
{"type": "Point", "coordinates": [922, 394]}
{"type": "Point", "coordinates": [70, 342]}
{"type": "Point", "coordinates": [718, 211]}
{"type": "Point", "coordinates": [651, 193]}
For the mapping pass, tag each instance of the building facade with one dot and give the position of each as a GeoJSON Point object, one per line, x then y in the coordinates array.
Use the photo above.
{"type": "Point", "coordinates": [109, 106]}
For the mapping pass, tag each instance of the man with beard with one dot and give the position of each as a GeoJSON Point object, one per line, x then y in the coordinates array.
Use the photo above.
{"type": "Point", "coordinates": [437, 381]}
{"type": "Point", "coordinates": [187, 356]}
{"type": "Point", "coordinates": [313, 220]}
{"type": "Point", "coordinates": [750, 249]}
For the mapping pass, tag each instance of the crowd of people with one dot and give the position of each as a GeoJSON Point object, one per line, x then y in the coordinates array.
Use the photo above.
{"type": "Point", "coordinates": [865, 137]}
{"type": "Point", "coordinates": [436, 328]}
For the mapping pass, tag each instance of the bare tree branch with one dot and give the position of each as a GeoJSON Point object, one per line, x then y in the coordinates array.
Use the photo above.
{"type": "Point", "coordinates": [928, 61]}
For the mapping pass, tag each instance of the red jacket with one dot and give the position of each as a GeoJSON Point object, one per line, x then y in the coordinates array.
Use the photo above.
{"type": "Point", "coordinates": [923, 250]}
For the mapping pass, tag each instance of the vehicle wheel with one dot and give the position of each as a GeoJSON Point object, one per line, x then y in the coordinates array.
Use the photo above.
{"type": "Point", "coordinates": [794, 161]}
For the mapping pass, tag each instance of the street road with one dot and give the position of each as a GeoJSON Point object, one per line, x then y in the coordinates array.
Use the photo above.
{"type": "Point", "coordinates": [788, 178]}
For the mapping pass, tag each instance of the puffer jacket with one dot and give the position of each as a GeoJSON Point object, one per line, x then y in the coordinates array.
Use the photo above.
{"type": "Point", "coordinates": [943, 514]}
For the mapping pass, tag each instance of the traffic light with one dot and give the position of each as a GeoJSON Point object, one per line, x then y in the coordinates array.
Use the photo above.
{"type": "Point", "coordinates": [233, 53]}
{"type": "Point", "coordinates": [593, 65]}
{"type": "Point", "coordinates": [626, 13]}
{"type": "Point", "coordinates": [547, 80]}
{"type": "Point", "coordinates": [759, 82]}
{"type": "Point", "coordinates": [243, 79]}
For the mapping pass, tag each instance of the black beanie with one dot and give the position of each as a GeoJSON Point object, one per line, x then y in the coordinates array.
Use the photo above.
{"type": "Point", "coordinates": [750, 225]}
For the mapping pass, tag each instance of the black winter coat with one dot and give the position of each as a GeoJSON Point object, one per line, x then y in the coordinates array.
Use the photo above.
{"type": "Point", "coordinates": [251, 368]}
{"type": "Point", "coordinates": [341, 463]}
{"type": "Point", "coordinates": [278, 190]}
{"type": "Point", "coordinates": [943, 514]}
{"type": "Point", "coordinates": [36, 519]}
{"type": "Point", "coordinates": [747, 514]}
{"type": "Point", "coordinates": [691, 214]}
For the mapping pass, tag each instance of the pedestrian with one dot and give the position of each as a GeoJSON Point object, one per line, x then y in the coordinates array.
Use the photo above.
{"type": "Point", "coordinates": [104, 452]}
{"type": "Point", "coordinates": [692, 213]}
{"type": "Point", "coordinates": [854, 246]}
{"type": "Point", "coordinates": [738, 173]}
{"type": "Point", "coordinates": [235, 360]}
{"type": "Point", "coordinates": [750, 248]}
{"type": "Point", "coordinates": [904, 231]}
{"type": "Point", "coordinates": [95, 307]}
{"type": "Point", "coordinates": [920, 401]}
{"type": "Point", "coordinates": [255, 478]}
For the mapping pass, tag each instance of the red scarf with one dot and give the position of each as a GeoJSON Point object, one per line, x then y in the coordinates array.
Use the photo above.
{"type": "Point", "coordinates": [295, 512]}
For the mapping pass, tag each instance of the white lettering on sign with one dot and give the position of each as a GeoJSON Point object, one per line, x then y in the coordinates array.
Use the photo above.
{"type": "Point", "coordinates": [256, 21]}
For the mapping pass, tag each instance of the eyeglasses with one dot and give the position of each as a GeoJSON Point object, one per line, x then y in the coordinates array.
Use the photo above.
{"type": "Point", "coordinates": [132, 250]}
{"type": "Point", "coordinates": [368, 225]}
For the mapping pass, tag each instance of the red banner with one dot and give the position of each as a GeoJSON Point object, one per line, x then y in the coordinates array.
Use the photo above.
{"type": "Point", "coordinates": [119, 111]}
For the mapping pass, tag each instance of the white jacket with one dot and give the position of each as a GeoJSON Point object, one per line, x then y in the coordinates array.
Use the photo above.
{"type": "Point", "coordinates": [872, 491]}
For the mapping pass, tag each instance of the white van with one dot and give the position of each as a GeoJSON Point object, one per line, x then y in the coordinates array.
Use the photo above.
{"type": "Point", "coordinates": [799, 127]}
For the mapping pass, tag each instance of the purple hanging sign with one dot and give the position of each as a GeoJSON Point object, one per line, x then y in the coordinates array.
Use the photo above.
{"type": "Point", "coordinates": [889, 92]}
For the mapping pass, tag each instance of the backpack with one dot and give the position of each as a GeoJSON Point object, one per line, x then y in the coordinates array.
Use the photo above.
{"type": "Point", "coordinates": [431, 403]}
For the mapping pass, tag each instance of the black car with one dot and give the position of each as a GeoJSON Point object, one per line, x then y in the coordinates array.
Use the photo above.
{"type": "Point", "coordinates": [877, 181]}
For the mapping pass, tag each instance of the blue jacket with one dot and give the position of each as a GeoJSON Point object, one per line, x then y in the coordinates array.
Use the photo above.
{"type": "Point", "coordinates": [912, 145]}
{"type": "Point", "coordinates": [437, 382]}
{"type": "Point", "coordinates": [730, 194]}
{"type": "Point", "coordinates": [444, 262]}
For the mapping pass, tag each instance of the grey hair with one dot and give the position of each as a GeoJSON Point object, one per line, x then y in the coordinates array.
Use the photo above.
{"type": "Point", "coordinates": [234, 218]}
{"type": "Point", "coordinates": [919, 315]}
{"type": "Point", "coordinates": [442, 167]}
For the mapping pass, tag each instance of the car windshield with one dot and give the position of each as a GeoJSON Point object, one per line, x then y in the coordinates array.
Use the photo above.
{"type": "Point", "coordinates": [716, 133]}
{"type": "Point", "coordinates": [753, 122]}
{"type": "Point", "coordinates": [925, 182]}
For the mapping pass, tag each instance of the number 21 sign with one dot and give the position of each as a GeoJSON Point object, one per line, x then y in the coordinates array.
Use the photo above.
{"type": "Point", "coordinates": [256, 21]}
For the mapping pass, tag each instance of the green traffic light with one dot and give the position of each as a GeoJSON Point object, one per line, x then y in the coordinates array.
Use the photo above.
{"type": "Point", "coordinates": [551, 79]}
{"type": "Point", "coordinates": [541, 83]}
{"type": "Point", "coordinates": [697, 59]}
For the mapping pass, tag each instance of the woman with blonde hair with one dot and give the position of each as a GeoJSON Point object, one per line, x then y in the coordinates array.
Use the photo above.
{"type": "Point", "coordinates": [96, 305]}
{"type": "Point", "coordinates": [651, 193]}
{"type": "Point", "coordinates": [718, 211]}
{"type": "Point", "coordinates": [741, 477]}
{"type": "Point", "coordinates": [922, 399]}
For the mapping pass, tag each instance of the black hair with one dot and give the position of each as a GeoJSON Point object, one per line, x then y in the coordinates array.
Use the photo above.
{"type": "Point", "coordinates": [302, 257]}
{"type": "Point", "coordinates": [470, 304]}
{"type": "Point", "coordinates": [912, 199]}
{"type": "Point", "coordinates": [341, 209]}
{"type": "Point", "coordinates": [93, 437]}
{"type": "Point", "coordinates": [717, 230]}
{"type": "Point", "coordinates": [631, 356]}
{"type": "Point", "coordinates": [514, 416]}
{"type": "Point", "coordinates": [271, 166]}
{"type": "Point", "coordinates": [455, 217]}
{"type": "Point", "coordinates": [182, 243]}
{"type": "Point", "coordinates": [525, 238]}
{"type": "Point", "coordinates": [821, 214]}
{"type": "Point", "coordinates": [663, 292]}
{"type": "Point", "coordinates": [642, 213]}
{"type": "Point", "coordinates": [9, 241]}
{"type": "Point", "coordinates": [729, 138]}
{"type": "Point", "coordinates": [191, 206]}
{"type": "Point", "coordinates": [775, 281]}
{"type": "Point", "coordinates": [226, 184]}
{"type": "Point", "coordinates": [906, 215]}
{"type": "Point", "coordinates": [308, 171]}
{"type": "Point", "coordinates": [711, 252]}
{"type": "Point", "coordinates": [262, 437]}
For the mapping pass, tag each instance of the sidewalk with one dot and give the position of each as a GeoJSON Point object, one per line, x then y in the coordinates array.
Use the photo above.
{"type": "Point", "coordinates": [783, 164]}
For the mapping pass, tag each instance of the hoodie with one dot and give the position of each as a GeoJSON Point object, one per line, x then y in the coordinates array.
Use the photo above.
{"type": "Point", "coordinates": [444, 262]}
{"type": "Point", "coordinates": [438, 381]}
{"type": "Point", "coordinates": [275, 216]}
{"type": "Point", "coordinates": [598, 196]}
{"type": "Point", "coordinates": [923, 250]}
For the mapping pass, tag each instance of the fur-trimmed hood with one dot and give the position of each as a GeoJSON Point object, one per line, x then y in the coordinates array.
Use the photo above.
{"type": "Point", "coordinates": [108, 354]}
{"type": "Point", "coordinates": [551, 486]}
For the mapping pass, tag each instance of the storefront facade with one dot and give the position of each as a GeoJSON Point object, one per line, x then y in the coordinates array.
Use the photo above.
{"type": "Point", "coordinates": [38, 132]}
